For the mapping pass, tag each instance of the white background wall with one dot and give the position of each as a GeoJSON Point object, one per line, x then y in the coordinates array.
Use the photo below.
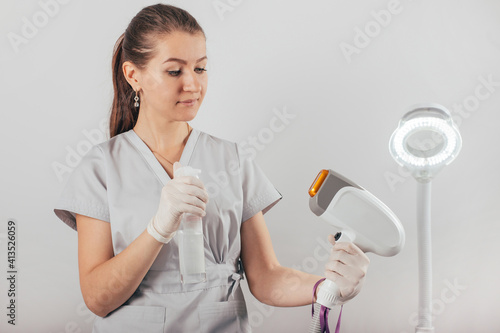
{"type": "Point", "coordinates": [267, 57]}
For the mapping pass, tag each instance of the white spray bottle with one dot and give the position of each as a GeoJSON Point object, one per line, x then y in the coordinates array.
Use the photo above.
{"type": "Point", "coordinates": [190, 238]}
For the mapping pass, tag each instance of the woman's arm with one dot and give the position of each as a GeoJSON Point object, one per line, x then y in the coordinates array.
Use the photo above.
{"type": "Point", "coordinates": [275, 285]}
{"type": "Point", "coordinates": [268, 281]}
{"type": "Point", "coordinates": [107, 281]}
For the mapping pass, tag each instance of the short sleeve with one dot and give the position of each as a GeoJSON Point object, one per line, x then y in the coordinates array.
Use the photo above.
{"type": "Point", "coordinates": [85, 191]}
{"type": "Point", "coordinates": [259, 194]}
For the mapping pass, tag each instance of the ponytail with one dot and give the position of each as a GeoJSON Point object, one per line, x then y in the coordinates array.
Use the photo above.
{"type": "Point", "coordinates": [123, 113]}
{"type": "Point", "coordinates": [137, 45]}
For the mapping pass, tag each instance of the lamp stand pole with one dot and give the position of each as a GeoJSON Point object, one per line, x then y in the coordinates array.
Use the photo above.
{"type": "Point", "coordinates": [424, 258]}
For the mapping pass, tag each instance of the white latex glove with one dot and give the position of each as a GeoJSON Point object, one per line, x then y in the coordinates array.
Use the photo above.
{"type": "Point", "coordinates": [178, 196]}
{"type": "Point", "coordinates": [347, 267]}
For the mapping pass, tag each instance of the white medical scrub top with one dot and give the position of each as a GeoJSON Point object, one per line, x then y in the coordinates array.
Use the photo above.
{"type": "Point", "coordinates": [119, 181]}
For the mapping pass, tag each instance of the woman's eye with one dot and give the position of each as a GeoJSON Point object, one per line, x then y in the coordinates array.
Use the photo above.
{"type": "Point", "coordinates": [198, 70]}
{"type": "Point", "coordinates": [174, 73]}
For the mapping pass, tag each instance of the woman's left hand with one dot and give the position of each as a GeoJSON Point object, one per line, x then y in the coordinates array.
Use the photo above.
{"type": "Point", "coordinates": [347, 267]}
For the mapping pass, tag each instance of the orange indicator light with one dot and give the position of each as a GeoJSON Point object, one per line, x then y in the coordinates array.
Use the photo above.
{"type": "Point", "coordinates": [320, 178]}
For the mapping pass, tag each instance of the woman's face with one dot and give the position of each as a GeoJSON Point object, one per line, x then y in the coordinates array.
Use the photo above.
{"type": "Point", "coordinates": [174, 82]}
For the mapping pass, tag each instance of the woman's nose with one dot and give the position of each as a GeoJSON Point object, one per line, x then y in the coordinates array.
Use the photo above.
{"type": "Point", "coordinates": [191, 82]}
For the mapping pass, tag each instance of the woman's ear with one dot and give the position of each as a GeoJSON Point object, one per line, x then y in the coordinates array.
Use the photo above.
{"type": "Point", "coordinates": [131, 75]}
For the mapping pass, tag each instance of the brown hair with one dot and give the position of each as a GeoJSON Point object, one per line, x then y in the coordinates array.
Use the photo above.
{"type": "Point", "coordinates": [137, 45]}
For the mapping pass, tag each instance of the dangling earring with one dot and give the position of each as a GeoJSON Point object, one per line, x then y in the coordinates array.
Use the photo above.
{"type": "Point", "coordinates": [136, 99]}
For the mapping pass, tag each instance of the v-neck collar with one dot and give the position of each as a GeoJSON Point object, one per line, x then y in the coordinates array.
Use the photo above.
{"type": "Point", "coordinates": [151, 158]}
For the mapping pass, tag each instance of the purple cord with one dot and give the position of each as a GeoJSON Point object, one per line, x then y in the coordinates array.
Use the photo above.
{"type": "Point", "coordinates": [314, 292]}
{"type": "Point", "coordinates": [337, 330]}
{"type": "Point", "coordinates": [323, 319]}
{"type": "Point", "coordinates": [324, 313]}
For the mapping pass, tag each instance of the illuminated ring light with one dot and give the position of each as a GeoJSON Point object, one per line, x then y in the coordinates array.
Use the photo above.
{"type": "Point", "coordinates": [446, 155]}
{"type": "Point", "coordinates": [426, 139]}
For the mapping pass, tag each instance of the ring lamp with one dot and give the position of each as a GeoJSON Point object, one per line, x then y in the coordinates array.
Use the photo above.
{"type": "Point", "coordinates": [425, 141]}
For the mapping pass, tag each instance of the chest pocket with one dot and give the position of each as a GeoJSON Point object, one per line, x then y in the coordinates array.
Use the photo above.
{"type": "Point", "coordinates": [132, 319]}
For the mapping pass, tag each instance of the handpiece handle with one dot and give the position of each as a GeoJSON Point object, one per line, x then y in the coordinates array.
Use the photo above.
{"type": "Point", "coordinates": [344, 236]}
{"type": "Point", "coordinates": [329, 292]}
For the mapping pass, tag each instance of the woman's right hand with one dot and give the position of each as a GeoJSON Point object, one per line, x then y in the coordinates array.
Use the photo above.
{"type": "Point", "coordinates": [180, 195]}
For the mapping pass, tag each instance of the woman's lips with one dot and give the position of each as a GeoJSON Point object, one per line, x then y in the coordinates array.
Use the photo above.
{"type": "Point", "coordinates": [188, 102]}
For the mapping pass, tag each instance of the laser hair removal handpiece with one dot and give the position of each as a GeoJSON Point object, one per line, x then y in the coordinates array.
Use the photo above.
{"type": "Point", "coordinates": [358, 216]}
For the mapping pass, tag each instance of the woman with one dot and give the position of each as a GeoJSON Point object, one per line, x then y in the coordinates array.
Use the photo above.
{"type": "Point", "coordinates": [126, 204]}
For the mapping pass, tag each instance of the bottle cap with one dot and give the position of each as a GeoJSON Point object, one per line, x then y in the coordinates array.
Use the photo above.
{"type": "Point", "coordinates": [187, 171]}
